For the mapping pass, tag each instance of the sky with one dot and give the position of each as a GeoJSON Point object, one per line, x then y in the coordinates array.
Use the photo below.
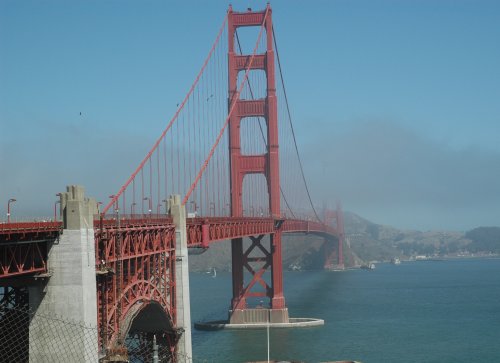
{"type": "Point", "coordinates": [395, 103]}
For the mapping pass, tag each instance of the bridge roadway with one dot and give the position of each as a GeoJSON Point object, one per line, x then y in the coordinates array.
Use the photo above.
{"type": "Point", "coordinates": [24, 245]}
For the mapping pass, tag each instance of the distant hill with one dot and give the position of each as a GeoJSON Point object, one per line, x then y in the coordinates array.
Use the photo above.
{"type": "Point", "coordinates": [365, 241]}
{"type": "Point", "coordinates": [375, 242]}
{"type": "Point", "coordinates": [484, 239]}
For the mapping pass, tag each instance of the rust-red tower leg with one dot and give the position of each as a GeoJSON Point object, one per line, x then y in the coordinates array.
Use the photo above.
{"type": "Point", "coordinates": [266, 164]}
{"type": "Point", "coordinates": [341, 235]}
{"type": "Point", "coordinates": [331, 251]}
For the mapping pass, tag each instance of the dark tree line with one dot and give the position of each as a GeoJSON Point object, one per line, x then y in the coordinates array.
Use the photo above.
{"type": "Point", "coordinates": [484, 239]}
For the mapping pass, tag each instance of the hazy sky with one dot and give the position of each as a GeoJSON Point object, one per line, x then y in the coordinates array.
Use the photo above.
{"type": "Point", "coordinates": [396, 104]}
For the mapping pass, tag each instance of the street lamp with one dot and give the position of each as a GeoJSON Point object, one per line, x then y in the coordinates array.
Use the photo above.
{"type": "Point", "coordinates": [132, 209]}
{"type": "Point", "coordinates": [149, 205]}
{"type": "Point", "coordinates": [212, 207]}
{"type": "Point", "coordinates": [195, 207]}
{"type": "Point", "coordinates": [115, 203]}
{"type": "Point", "coordinates": [143, 199]}
{"type": "Point", "coordinates": [55, 206]}
{"type": "Point", "coordinates": [166, 205]}
{"type": "Point", "coordinates": [11, 200]}
{"type": "Point", "coordinates": [98, 204]}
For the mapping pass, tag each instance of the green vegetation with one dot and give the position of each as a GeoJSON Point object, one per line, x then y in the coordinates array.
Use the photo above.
{"type": "Point", "coordinates": [484, 239]}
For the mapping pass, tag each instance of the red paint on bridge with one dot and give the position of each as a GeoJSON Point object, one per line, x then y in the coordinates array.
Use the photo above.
{"type": "Point", "coordinates": [23, 246]}
{"type": "Point", "coordinates": [204, 156]}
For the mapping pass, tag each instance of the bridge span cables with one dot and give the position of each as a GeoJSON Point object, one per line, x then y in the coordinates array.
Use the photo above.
{"type": "Point", "coordinates": [288, 113]}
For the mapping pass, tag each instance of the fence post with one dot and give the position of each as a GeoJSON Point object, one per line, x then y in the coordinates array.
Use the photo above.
{"type": "Point", "coordinates": [155, 350]}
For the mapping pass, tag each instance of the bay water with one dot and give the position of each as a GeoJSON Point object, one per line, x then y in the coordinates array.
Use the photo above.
{"type": "Point", "coordinates": [423, 311]}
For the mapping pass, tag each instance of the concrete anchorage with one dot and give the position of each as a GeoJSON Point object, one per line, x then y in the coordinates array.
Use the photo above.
{"type": "Point", "coordinates": [184, 345]}
{"type": "Point", "coordinates": [70, 293]}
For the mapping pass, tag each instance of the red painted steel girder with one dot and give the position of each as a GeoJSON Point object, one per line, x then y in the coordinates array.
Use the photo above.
{"type": "Point", "coordinates": [22, 259]}
{"type": "Point", "coordinates": [135, 263]}
{"type": "Point", "coordinates": [133, 221]}
{"type": "Point", "coordinates": [23, 247]}
{"type": "Point", "coordinates": [26, 231]}
{"type": "Point", "coordinates": [256, 266]}
{"type": "Point", "coordinates": [203, 231]}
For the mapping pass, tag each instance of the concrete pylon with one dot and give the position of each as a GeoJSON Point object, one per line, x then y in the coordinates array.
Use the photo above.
{"type": "Point", "coordinates": [70, 293]}
{"type": "Point", "coordinates": [184, 346]}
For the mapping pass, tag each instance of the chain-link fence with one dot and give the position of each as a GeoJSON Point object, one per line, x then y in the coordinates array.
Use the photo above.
{"type": "Point", "coordinates": [31, 337]}
{"type": "Point", "coordinates": [149, 347]}
{"type": "Point", "coordinates": [26, 336]}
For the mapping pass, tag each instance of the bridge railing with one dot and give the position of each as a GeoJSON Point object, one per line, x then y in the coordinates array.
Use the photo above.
{"type": "Point", "coordinates": [111, 220]}
{"type": "Point", "coordinates": [31, 226]}
{"type": "Point", "coordinates": [203, 231]}
{"type": "Point", "coordinates": [307, 226]}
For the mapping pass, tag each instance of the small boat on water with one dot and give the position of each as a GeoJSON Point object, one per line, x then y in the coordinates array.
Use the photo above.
{"type": "Point", "coordinates": [212, 271]}
{"type": "Point", "coordinates": [369, 266]}
{"type": "Point", "coordinates": [396, 261]}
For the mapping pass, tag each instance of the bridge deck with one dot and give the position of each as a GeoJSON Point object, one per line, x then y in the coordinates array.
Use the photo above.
{"type": "Point", "coordinates": [24, 245]}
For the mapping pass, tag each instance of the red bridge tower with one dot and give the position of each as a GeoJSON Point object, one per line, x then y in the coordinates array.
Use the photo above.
{"type": "Point", "coordinates": [266, 164]}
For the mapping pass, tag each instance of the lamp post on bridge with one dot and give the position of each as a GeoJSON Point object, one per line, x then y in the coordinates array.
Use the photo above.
{"type": "Point", "coordinates": [224, 209]}
{"type": "Point", "coordinates": [149, 205]}
{"type": "Point", "coordinates": [195, 207]}
{"type": "Point", "coordinates": [55, 206]}
{"type": "Point", "coordinates": [166, 205]}
{"type": "Point", "coordinates": [132, 209]}
{"type": "Point", "coordinates": [115, 204]}
{"type": "Point", "coordinates": [11, 200]}
{"type": "Point", "coordinates": [212, 207]}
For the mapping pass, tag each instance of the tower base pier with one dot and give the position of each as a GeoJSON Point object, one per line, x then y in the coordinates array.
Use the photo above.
{"type": "Point", "coordinates": [258, 315]}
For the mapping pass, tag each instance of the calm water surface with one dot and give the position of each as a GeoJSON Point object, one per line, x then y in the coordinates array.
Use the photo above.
{"type": "Point", "coordinates": [426, 311]}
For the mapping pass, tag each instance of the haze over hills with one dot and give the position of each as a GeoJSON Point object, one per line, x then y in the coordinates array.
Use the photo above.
{"type": "Point", "coordinates": [366, 241]}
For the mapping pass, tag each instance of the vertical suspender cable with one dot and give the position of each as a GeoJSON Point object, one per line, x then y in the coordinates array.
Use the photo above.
{"type": "Point", "coordinates": [293, 133]}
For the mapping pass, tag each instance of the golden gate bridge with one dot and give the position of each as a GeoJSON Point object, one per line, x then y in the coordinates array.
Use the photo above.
{"type": "Point", "coordinates": [226, 167]}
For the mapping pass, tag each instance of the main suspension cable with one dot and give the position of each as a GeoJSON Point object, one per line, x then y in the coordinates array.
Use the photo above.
{"type": "Point", "coordinates": [291, 125]}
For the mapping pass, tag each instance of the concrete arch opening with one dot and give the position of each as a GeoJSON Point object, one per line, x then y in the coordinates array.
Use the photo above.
{"type": "Point", "coordinates": [148, 322]}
